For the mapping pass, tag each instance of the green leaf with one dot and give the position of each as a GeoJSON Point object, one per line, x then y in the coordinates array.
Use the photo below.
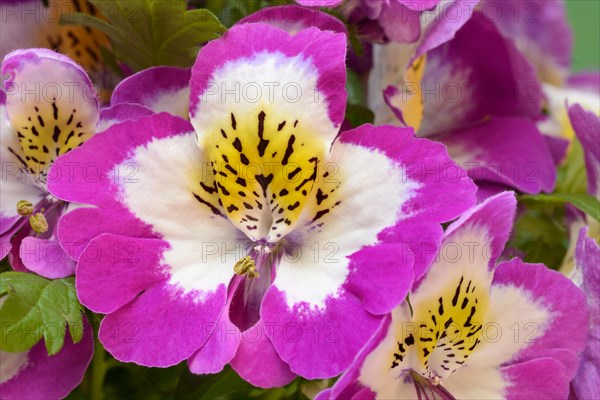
{"type": "Point", "coordinates": [148, 33]}
{"type": "Point", "coordinates": [539, 234]}
{"type": "Point", "coordinates": [572, 175]}
{"type": "Point", "coordinates": [226, 385]}
{"type": "Point", "coordinates": [586, 203]}
{"type": "Point", "coordinates": [358, 115]}
{"type": "Point", "coordinates": [34, 307]}
{"type": "Point", "coordinates": [356, 94]}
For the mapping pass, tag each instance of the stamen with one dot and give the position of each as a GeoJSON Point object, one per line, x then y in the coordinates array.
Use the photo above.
{"type": "Point", "coordinates": [246, 266]}
{"type": "Point", "coordinates": [38, 223]}
{"type": "Point", "coordinates": [24, 208]}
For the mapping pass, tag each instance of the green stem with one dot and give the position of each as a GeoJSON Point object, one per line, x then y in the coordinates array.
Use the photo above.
{"type": "Point", "coordinates": [99, 368]}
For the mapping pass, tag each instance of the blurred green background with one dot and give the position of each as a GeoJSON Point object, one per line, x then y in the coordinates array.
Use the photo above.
{"type": "Point", "coordinates": [584, 16]}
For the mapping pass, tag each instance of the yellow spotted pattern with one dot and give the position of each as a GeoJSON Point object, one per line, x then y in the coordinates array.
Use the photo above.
{"type": "Point", "coordinates": [47, 131]}
{"type": "Point", "coordinates": [449, 324]}
{"type": "Point", "coordinates": [264, 168]}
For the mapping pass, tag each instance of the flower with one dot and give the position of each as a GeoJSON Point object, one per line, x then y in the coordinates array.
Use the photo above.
{"type": "Point", "coordinates": [587, 259]}
{"type": "Point", "coordinates": [31, 24]}
{"type": "Point", "coordinates": [471, 329]}
{"type": "Point", "coordinates": [44, 115]}
{"type": "Point", "coordinates": [255, 233]}
{"type": "Point", "coordinates": [33, 374]}
{"type": "Point", "coordinates": [48, 107]}
{"type": "Point", "coordinates": [480, 97]}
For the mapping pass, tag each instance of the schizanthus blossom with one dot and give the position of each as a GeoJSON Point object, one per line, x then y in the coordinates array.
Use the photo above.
{"type": "Point", "coordinates": [471, 329]}
{"type": "Point", "coordinates": [258, 233]}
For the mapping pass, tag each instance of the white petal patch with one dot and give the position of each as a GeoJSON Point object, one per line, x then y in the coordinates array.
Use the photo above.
{"type": "Point", "coordinates": [514, 320]}
{"type": "Point", "coordinates": [376, 372]}
{"type": "Point", "coordinates": [389, 65]}
{"type": "Point", "coordinates": [476, 383]}
{"type": "Point", "coordinates": [11, 364]}
{"type": "Point", "coordinates": [247, 85]}
{"type": "Point", "coordinates": [359, 193]}
{"type": "Point", "coordinates": [162, 192]}
{"type": "Point", "coordinates": [176, 102]}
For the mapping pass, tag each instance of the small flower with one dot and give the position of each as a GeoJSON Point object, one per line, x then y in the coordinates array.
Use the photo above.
{"type": "Point", "coordinates": [471, 329]}
{"type": "Point", "coordinates": [446, 95]}
{"type": "Point", "coordinates": [259, 222]}
{"type": "Point", "coordinates": [35, 24]}
{"type": "Point", "coordinates": [48, 107]}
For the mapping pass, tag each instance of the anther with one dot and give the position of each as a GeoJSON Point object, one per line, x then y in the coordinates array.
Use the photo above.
{"type": "Point", "coordinates": [246, 266]}
{"type": "Point", "coordinates": [24, 208]}
{"type": "Point", "coordinates": [38, 223]}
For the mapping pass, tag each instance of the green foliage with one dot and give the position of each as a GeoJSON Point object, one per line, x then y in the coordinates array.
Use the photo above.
{"type": "Point", "coordinates": [358, 115]}
{"type": "Point", "coordinates": [572, 175]}
{"type": "Point", "coordinates": [539, 234]}
{"type": "Point", "coordinates": [586, 203]}
{"type": "Point", "coordinates": [356, 94]}
{"type": "Point", "coordinates": [148, 33]}
{"type": "Point", "coordinates": [34, 307]}
{"type": "Point", "coordinates": [231, 11]}
{"type": "Point", "coordinates": [225, 385]}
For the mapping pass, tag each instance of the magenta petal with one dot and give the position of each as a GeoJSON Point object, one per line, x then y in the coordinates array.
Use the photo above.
{"type": "Point", "coordinates": [542, 378]}
{"type": "Point", "coordinates": [587, 128]}
{"type": "Point", "coordinates": [422, 239]}
{"type": "Point", "coordinates": [51, 377]}
{"type": "Point", "coordinates": [77, 228]}
{"type": "Point", "coordinates": [46, 257]}
{"type": "Point", "coordinates": [495, 216]}
{"type": "Point", "coordinates": [113, 270]}
{"type": "Point", "coordinates": [560, 296]}
{"type": "Point", "coordinates": [319, 3]}
{"type": "Point", "coordinates": [293, 18]}
{"type": "Point", "coordinates": [505, 150]}
{"type": "Point", "coordinates": [348, 386]}
{"type": "Point", "coordinates": [541, 31]}
{"type": "Point", "coordinates": [120, 113]}
{"type": "Point", "coordinates": [318, 343]}
{"type": "Point", "coordinates": [257, 361]}
{"type": "Point", "coordinates": [587, 259]}
{"type": "Point", "coordinates": [384, 287]}
{"type": "Point", "coordinates": [400, 23]}
{"type": "Point", "coordinates": [326, 51]}
{"type": "Point", "coordinates": [453, 15]}
{"type": "Point", "coordinates": [476, 75]}
{"type": "Point", "coordinates": [218, 350]}
{"type": "Point", "coordinates": [160, 89]}
{"type": "Point", "coordinates": [162, 326]}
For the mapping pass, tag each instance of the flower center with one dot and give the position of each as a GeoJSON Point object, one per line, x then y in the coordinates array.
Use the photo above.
{"type": "Point", "coordinates": [45, 133]}
{"type": "Point", "coordinates": [444, 331]}
{"type": "Point", "coordinates": [255, 272]}
{"type": "Point", "coordinates": [264, 171]}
